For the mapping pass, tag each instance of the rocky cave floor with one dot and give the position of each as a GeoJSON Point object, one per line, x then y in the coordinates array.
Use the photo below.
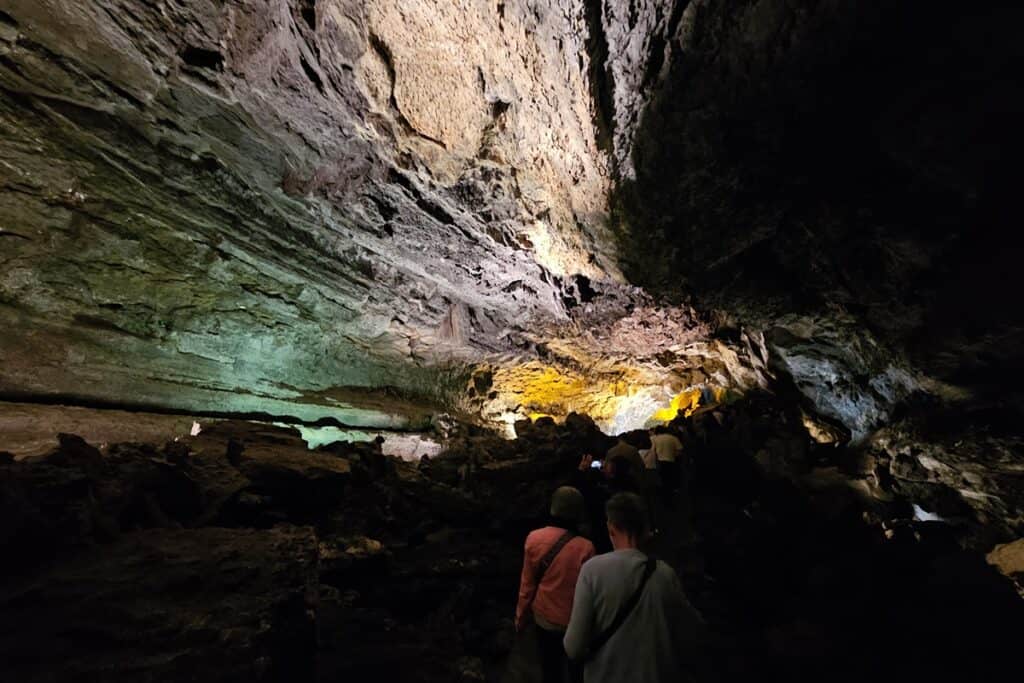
{"type": "Point", "coordinates": [239, 554]}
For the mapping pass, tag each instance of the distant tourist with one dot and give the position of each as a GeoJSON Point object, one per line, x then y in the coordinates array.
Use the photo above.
{"type": "Point", "coordinates": [552, 562]}
{"type": "Point", "coordinates": [631, 622]}
{"type": "Point", "coordinates": [674, 473]}
{"type": "Point", "coordinates": [598, 481]}
{"type": "Point", "coordinates": [650, 485]}
{"type": "Point", "coordinates": [667, 450]}
{"type": "Point", "coordinates": [629, 452]}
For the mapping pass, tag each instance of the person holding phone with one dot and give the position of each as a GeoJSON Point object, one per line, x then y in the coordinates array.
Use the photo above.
{"type": "Point", "coordinates": [599, 482]}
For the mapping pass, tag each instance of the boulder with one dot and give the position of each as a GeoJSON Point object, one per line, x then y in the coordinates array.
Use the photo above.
{"type": "Point", "coordinates": [290, 481]}
{"type": "Point", "coordinates": [341, 559]}
{"type": "Point", "coordinates": [300, 481]}
{"type": "Point", "coordinates": [1008, 558]}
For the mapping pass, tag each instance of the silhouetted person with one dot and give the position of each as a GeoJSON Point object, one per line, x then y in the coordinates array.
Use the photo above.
{"type": "Point", "coordinates": [667, 452]}
{"type": "Point", "coordinates": [675, 472]}
{"type": "Point", "coordinates": [631, 622]}
{"type": "Point", "coordinates": [616, 475]}
{"type": "Point", "coordinates": [552, 560]}
{"type": "Point", "coordinates": [651, 486]}
{"type": "Point", "coordinates": [624, 449]}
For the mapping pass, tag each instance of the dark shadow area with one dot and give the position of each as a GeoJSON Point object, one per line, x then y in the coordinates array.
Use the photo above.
{"type": "Point", "coordinates": [800, 156]}
{"type": "Point", "coordinates": [802, 576]}
{"type": "Point", "coordinates": [241, 555]}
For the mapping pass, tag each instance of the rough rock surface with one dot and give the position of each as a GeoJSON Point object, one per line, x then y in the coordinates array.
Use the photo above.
{"type": "Point", "coordinates": [196, 560]}
{"type": "Point", "coordinates": [807, 158]}
{"type": "Point", "coordinates": [31, 429]}
{"type": "Point", "coordinates": [1009, 559]}
{"type": "Point", "coordinates": [845, 374]}
{"type": "Point", "coordinates": [293, 208]}
{"type": "Point", "coordinates": [962, 475]}
{"type": "Point", "coordinates": [810, 545]}
{"type": "Point", "coordinates": [371, 211]}
{"type": "Point", "coordinates": [276, 207]}
{"type": "Point", "coordinates": [837, 176]}
{"type": "Point", "coordinates": [238, 205]}
{"type": "Point", "coordinates": [239, 554]}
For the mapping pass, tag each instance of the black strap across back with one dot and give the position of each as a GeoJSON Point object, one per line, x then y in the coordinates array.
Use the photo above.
{"type": "Point", "coordinates": [624, 611]}
{"type": "Point", "coordinates": [552, 552]}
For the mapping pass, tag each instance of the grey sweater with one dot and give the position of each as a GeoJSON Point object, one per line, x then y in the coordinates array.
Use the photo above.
{"type": "Point", "coordinates": [653, 642]}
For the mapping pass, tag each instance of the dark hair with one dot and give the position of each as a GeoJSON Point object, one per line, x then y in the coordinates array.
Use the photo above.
{"type": "Point", "coordinates": [628, 513]}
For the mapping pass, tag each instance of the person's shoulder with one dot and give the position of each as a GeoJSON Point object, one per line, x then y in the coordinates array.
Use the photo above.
{"type": "Point", "coordinates": [616, 562]}
{"type": "Point", "coordinates": [540, 534]}
{"type": "Point", "coordinates": [599, 563]}
{"type": "Point", "coordinates": [666, 577]}
{"type": "Point", "coordinates": [663, 568]}
{"type": "Point", "coordinates": [583, 543]}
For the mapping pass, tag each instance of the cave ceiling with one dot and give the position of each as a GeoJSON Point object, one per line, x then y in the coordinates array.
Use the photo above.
{"type": "Point", "coordinates": [366, 211]}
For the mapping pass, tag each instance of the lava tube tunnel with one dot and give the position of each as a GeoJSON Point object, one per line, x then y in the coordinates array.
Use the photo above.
{"type": "Point", "coordinates": [510, 340]}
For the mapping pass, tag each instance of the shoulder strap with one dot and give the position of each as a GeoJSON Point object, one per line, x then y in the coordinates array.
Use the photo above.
{"type": "Point", "coordinates": [549, 557]}
{"type": "Point", "coordinates": [624, 611]}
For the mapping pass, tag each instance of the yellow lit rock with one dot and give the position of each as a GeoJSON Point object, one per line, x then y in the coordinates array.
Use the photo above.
{"type": "Point", "coordinates": [536, 390]}
{"type": "Point", "coordinates": [685, 402]}
{"type": "Point", "coordinates": [617, 397]}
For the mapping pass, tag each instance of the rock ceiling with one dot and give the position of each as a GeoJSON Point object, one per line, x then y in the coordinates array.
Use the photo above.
{"type": "Point", "coordinates": [273, 207]}
{"type": "Point", "coordinates": [326, 208]}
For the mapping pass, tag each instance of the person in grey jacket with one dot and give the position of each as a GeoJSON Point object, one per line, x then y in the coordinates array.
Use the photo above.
{"type": "Point", "coordinates": [654, 641]}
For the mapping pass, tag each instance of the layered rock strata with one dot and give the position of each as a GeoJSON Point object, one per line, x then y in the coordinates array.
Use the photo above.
{"type": "Point", "coordinates": [368, 212]}
{"type": "Point", "coordinates": [240, 206]}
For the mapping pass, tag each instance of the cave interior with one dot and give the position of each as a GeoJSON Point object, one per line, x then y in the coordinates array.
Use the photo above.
{"type": "Point", "coordinates": [309, 305]}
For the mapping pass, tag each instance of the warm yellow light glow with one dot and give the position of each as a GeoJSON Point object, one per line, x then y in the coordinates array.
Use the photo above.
{"type": "Point", "coordinates": [687, 403]}
{"type": "Point", "coordinates": [551, 388]}
{"type": "Point", "coordinates": [684, 402]}
{"type": "Point", "coordinates": [622, 400]}
{"type": "Point", "coordinates": [535, 390]}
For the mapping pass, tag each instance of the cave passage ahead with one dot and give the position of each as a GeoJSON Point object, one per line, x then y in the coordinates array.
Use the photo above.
{"type": "Point", "coordinates": [309, 305]}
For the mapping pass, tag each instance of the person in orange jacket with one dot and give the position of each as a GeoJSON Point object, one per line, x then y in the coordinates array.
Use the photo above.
{"type": "Point", "coordinates": [553, 557]}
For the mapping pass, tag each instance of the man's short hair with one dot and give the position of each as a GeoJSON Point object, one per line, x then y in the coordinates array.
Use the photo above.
{"type": "Point", "coordinates": [627, 513]}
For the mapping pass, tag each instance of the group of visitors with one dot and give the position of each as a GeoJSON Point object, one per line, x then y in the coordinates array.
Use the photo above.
{"type": "Point", "coordinates": [602, 609]}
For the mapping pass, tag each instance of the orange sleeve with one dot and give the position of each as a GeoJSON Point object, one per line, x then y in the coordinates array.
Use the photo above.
{"type": "Point", "coordinates": [527, 585]}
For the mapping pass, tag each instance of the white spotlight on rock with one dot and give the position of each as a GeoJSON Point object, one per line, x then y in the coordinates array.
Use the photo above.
{"type": "Point", "coordinates": [922, 515]}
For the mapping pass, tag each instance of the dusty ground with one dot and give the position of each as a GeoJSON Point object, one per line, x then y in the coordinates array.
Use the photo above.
{"type": "Point", "coordinates": [27, 429]}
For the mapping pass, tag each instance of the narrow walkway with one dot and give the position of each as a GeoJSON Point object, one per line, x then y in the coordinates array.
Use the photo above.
{"type": "Point", "coordinates": [675, 543]}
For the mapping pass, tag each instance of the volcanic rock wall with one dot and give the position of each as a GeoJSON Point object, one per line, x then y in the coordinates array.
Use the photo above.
{"type": "Point", "coordinates": [236, 206]}
{"type": "Point", "coordinates": [307, 208]}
